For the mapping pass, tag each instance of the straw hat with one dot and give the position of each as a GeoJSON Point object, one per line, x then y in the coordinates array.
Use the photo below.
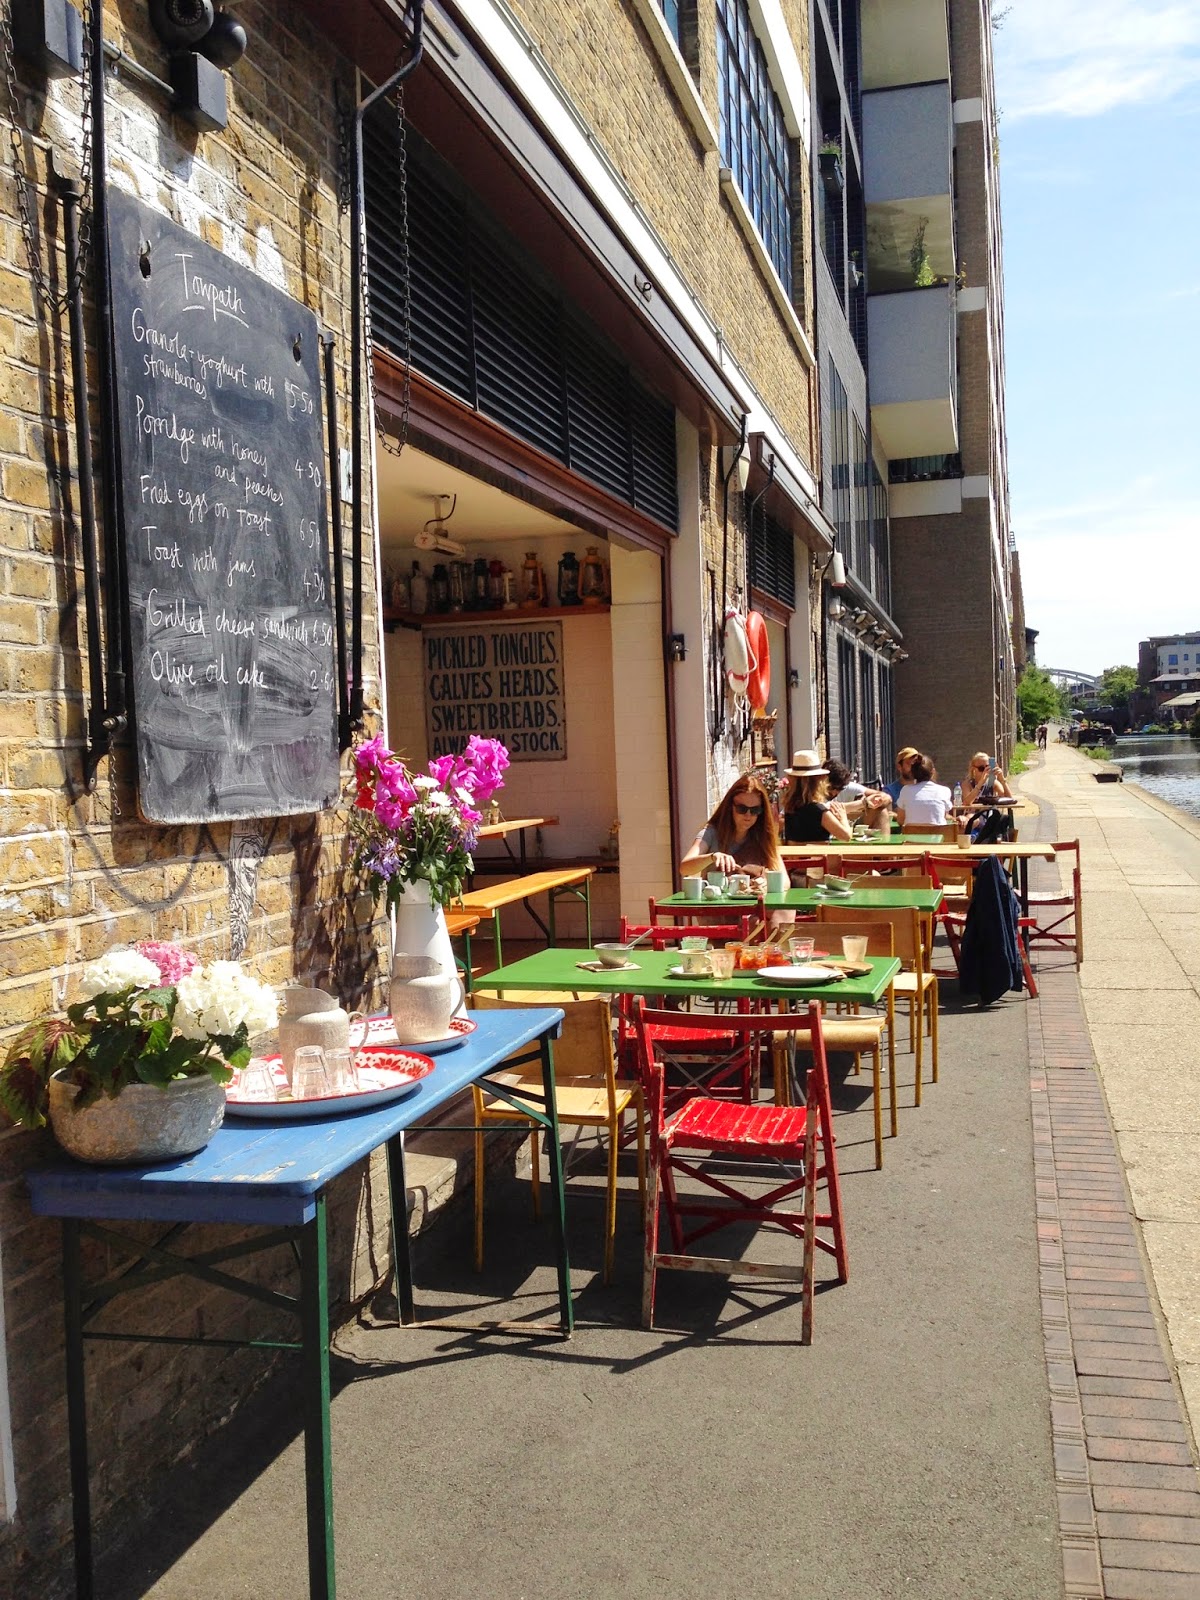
{"type": "Point", "coordinates": [806, 764]}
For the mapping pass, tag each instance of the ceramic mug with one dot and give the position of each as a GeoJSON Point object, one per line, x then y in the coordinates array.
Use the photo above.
{"type": "Point", "coordinates": [777, 882]}
{"type": "Point", "coordinates": [739, 883]}
{"type": "Point", "coordinates": [715, 879]}
{"type": "Point", "coordinates": [693, 888]}
{"type": "Point", "coordinates": [696, 963]}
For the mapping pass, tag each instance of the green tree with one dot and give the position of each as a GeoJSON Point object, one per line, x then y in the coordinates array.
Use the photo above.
{"type": "Point", "coordinates": [1039, 698]}
{"type": "Point", "coordinates": [1117, 685]}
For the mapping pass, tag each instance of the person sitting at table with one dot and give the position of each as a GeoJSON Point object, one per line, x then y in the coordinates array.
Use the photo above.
{"type": "Point", "coordinates": [984, 782]}
{"type": "Point", "coordinates": [809, 815]}
{"type": "Point", "coordinates": [904, 760]}
{"type": "Point", "coordinates": [923, 798]}
{"type": "Point", "coordinates": [860, 803]}
{"type": "Point", "coordinates": [740, 836]}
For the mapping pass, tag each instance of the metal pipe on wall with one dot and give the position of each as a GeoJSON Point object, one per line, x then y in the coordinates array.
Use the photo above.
{"type": "Point", "coordinates": [335, 532]}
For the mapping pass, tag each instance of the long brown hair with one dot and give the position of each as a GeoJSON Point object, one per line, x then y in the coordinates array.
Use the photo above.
{"type": "Point", "coordinates": [764, 835]}
{"type": "Point", "coordinates": [804, 790]}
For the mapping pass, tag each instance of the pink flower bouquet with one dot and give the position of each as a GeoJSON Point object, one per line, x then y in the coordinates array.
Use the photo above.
{"type": "Point", "coordinates": [421, 828]}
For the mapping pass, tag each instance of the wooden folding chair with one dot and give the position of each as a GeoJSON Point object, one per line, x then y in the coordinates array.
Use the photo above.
{"type": "Point", "coordinates": [702, 1137]}
{"type": "Point", "coordinates": [857, 1036]}
{"type": "Point", "coordinates": [915, 984]}
{"type": "Point", "coordinates": [1065, 930]}
{"type": "Point", "coordinates": [586, 1095]}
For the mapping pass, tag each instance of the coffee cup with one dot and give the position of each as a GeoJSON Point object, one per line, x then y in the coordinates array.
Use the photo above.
{"type": "Point", "coordinates": [777, 882]}
{"type": "Point", "coordinates": [695, 963]}
{"type": "Point", "coordinates": [693, 888]}
{"type": "Point", "coordinates": [739, 883]}
{"type": "Point", "coordinates": [715, 879]}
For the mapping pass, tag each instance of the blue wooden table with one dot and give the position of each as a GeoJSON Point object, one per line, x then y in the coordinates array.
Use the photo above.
{"type": "Point", "coordinates": [275, 1175]}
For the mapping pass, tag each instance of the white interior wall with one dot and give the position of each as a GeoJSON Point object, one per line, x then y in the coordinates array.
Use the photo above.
{"type": "Point", "coordinates": [685, 567]}
{"type": "Point", "coordinates": [803, 697]}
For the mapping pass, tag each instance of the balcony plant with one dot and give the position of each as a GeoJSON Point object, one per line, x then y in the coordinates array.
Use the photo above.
{"type": "Point", "coordinates": [829, 163]}
{"type": "Point", "coordinates": [136, 1070]}
{"type": "Point", "coordinates": [413, 834]}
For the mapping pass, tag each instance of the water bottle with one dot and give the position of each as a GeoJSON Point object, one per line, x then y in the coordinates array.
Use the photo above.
{"type": "Point", "coordinates": [958, 797]}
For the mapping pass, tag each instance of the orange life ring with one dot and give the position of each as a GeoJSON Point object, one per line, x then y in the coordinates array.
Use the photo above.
{"type": "Point", "coordinates": [758, 690]}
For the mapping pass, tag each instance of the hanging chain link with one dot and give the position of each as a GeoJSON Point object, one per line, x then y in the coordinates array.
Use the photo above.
{"type": "Point", "coordinates": [394, 445]}
{"type": "Point", "coordinates": [78, 273]}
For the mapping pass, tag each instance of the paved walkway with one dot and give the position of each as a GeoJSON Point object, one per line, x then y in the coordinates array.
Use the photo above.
{"type": "Point", "coordinates": [989, 1410]}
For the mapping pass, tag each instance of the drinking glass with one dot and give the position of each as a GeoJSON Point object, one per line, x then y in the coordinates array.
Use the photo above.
{"type": "Point", "coordinates": [722, 962]}
{"type": "Point", "coordinates": [801, 947]}
{"type": "Point", "coordinates": [310, 1081]}
{"type": "Point", "coordinates": [256, 1082]}
{"type": "Point", "coordinates": [854, 946]}
{"type": "Point", "coordinates": [693, 941]}
{"type": "Point", "coordinates": [341, 1071]}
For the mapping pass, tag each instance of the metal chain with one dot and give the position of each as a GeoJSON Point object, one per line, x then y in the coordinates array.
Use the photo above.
{"type": "Point", "coordinates": [393, 445]}
{"type": "Point", "coordinates": [53, 302]}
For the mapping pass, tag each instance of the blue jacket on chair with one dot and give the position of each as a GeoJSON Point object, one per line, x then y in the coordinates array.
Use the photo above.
{"type": "Point", "coordinates": [989, 963]}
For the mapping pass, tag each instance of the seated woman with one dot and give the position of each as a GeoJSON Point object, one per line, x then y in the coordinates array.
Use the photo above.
{"type": "Point", "coordinates": [984, 782]}
{"type": "Point", "coordinates": [809, 816]}
{"type": "Point", "coordinates": [740, 836]}
{"type": "Point", "coordinates": [923, 798]}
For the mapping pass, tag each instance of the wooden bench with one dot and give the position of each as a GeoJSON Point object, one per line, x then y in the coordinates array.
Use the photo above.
{"type": "Point", "coordinates": [462, 924]}
{"type": "Point", "coordinates": [574, 881]}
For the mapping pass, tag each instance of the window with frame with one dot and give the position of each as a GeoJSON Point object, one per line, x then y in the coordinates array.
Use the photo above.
{"type": "Point", "coordinates": [754, 138]}
{"type": "Point", "coordinates": [671, 16]}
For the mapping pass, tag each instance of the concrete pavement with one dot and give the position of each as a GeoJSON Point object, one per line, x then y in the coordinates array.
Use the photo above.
{"type": "Point", "coordinates": [1140, 986]}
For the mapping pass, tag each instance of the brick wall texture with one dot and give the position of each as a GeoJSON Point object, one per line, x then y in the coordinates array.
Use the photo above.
{"type": "Point", "coordinates": [80, 872]}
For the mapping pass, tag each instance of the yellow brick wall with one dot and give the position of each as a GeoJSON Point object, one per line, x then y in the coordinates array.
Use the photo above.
{"type": "Point", "coordinates": [607, 65]}
{"type": "Point", "coordinates": [78, 871]}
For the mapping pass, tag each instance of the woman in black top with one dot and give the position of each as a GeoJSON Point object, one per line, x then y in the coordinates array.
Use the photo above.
{"type": "Point", "coordinates": [740, 836]}
{"type": "Point", "coordinates": [809, 816]}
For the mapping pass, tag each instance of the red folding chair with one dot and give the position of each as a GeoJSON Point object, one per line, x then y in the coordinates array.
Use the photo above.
{"type": "Point", "coordinates": [697, 1141]}
{"type": "Point", "coordinates": [1065, 930]}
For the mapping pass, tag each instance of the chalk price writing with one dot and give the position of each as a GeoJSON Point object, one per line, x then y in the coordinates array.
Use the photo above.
{"type": "Point", "coordinates": [309, 472]}
{"type": "Point", "coordinates": [320, 680]}
{"type": "Point", "coordinates": [314, 584]}
{"type": "Point", "coordinates": [299, 401]}
{"type": "Point", "coordinates": [309, 529]}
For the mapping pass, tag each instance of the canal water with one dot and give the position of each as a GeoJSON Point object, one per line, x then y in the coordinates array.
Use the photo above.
{"type": "Point", "coordinates": [1166, 765]}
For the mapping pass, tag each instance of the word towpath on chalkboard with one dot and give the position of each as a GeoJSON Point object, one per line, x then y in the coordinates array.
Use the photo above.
{"type": "Point", "coordinates": [231, 621]}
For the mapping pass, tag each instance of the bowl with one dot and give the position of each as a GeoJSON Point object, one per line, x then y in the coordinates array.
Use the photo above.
{"type": "Point", "coordinates": [612, 955]}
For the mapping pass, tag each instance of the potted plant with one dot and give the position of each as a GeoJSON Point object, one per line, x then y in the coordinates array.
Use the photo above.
{"type": "Point", "coordinates": [136, 1070]}
{"type": "Point", "coordinates": [829, 161]}
{"type": "Point", "coordinates": [413, 837]}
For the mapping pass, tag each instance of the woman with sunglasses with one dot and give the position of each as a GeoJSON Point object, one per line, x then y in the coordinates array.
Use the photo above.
{"type": "Point", "coordinates": [984, 782]}
{"type": "Point", "coordinates": [809, 815]}
{"type": "Point", "coordinates": [740, 836]}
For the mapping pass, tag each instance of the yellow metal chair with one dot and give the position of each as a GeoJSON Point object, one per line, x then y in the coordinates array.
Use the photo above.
{"type": "Point", "coordinates": [916, 983]}
{"type": "Point", "coordinates": [587, 1095]}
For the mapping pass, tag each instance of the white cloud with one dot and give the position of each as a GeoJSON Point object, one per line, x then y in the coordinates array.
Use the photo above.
{"type": "Point", "coordinates": [1100, 575]}
{"type": "Point", "coordinates": [1079, 58]}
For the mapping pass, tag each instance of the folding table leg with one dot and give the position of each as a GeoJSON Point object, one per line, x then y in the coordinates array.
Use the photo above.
{"type": "Point", "coordinates": [558, 1202]}
{"type": "Point", "coordinates": [402, 1277]}
{"type": "Point", "coordinates": [77, 1408]}
{"type": "Point", "coordinates": [318, 1466]}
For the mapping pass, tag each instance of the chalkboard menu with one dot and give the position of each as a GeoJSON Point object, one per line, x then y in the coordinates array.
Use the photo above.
{"type": "Point", "coordinates": [231, 619]}
{"type": "Point", "coordinates": [503, 680]}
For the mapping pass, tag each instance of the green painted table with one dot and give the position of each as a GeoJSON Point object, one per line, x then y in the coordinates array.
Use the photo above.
{"type": "Point", "coordinates": [880, 896]}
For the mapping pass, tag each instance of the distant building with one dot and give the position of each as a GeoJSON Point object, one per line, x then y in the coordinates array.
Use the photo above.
{"type": "Point", "coordinates": [1169, 676]}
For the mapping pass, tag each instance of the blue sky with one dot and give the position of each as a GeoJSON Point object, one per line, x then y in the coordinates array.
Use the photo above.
{"type": "Point", "coordinates": [1100, 189]}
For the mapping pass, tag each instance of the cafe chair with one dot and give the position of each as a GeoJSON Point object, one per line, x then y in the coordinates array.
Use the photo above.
{"type": "Point", "coordinates": [856, 1036]}
{"type": "Point", "coordinates": [947, 832]}
{"type": "Point", "coordinates": [1066, 929]}
{"type": "Point", "coordinates": [587, 1095]}
{"type": "Point", "coordinates": [892, 866]}
{"type": "Point", "coordinates": [915, 984]}
{"type": "Point", "coordinates": [714, 1146]}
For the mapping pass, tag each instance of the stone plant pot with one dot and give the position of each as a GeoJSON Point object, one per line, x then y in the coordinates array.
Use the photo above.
{"type": "Point", "coordinates": [143, 1122]}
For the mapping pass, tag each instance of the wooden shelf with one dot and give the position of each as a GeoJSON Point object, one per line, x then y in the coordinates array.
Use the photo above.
{"type": "Point", "coordinates": [443, 619]}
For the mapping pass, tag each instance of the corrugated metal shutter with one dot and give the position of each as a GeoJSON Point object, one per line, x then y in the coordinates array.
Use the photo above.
{"type": "Point", "coordinates": [489, 327]}
{"type": "Point", "coordinates": [773, 560]}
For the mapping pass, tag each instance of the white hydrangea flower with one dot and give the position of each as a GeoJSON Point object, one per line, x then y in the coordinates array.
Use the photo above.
{"type": "Point", "coordinates": [116, 970]}
{"type": "Point", "coordinates": [219, 998]}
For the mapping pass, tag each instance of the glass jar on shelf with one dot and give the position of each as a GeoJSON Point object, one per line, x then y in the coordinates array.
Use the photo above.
{"type": "Point", "coordinates": [533, 582]}
{"type": "Point", "coordinates": [479, 585]}
{"type": "Point", "coordinates": [495, 583]}
{"type": "Point", "coordinates": [455, 586]}
{"type": "Point", "coordinates": [439, 588]}
{"type": "Point", "coordinates": [418, 590]}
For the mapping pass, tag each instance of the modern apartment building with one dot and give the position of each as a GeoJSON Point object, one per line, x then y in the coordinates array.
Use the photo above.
{"type": "Point", "coordinates": [910, 99]}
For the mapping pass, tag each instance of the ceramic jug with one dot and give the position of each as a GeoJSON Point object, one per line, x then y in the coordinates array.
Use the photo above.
{"type": "Point", "coordinates": [310, 1016]}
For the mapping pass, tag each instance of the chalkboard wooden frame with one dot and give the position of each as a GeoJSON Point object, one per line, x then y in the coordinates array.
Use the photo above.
{"type": "Point", "coordinates": [223, 465]}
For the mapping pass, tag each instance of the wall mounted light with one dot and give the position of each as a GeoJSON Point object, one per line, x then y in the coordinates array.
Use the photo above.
{"type": "Point", "coordinates": [837, 609]}
{"type": "Point", "coordinates": [836, 571]}
{"type": "Point", "coordinates": [793, 677]}
{"type": "Point", "coordinates": [203, 43]}
{"type": "Point", "coordinates": [676, 647]}
{"type": "Point", "coordinates": [735, 462]}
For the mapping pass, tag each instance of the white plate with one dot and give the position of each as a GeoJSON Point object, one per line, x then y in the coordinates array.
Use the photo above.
{"type": "Point", "coordinates": [379, 1084]}
{"type": "Point", "coordinates": [681, 972]}
{"type": "Point", "coordinates": [799, 974]}
{"type": "Point", "coordinates": [382, 1031]}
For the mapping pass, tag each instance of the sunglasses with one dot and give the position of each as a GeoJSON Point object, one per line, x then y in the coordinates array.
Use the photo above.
{"type": "Point", "coordinates": [747, 811]}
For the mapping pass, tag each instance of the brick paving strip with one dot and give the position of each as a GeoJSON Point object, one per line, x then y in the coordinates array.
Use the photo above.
{"type": "Point", "coordinates": [1126, 1480]}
